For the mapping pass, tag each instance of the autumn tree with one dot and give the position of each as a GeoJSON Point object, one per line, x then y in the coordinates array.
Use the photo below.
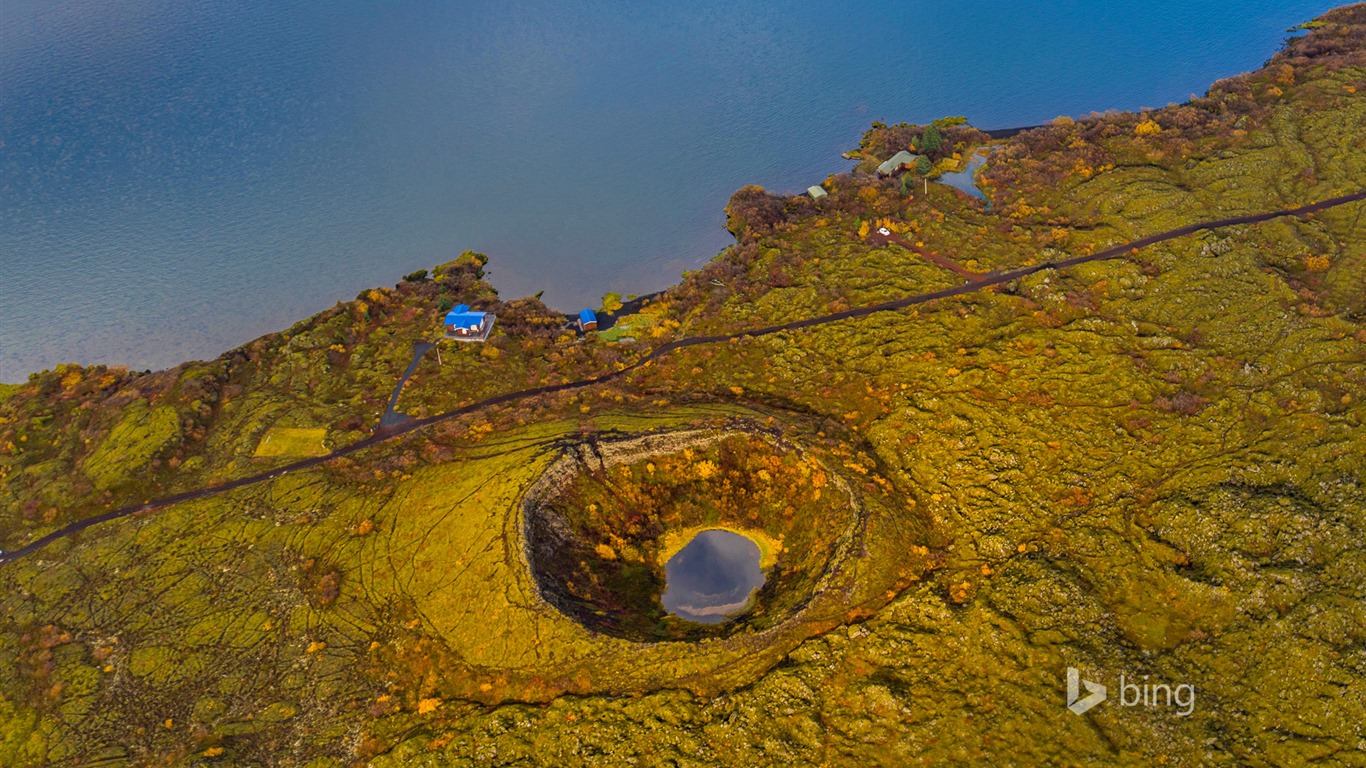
{"type": "Point", "coordinates": [1148, 127]}
{"type": "Point", "coordinates": [753, 211]}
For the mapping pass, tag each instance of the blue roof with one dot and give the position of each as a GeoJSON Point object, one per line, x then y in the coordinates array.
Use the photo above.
{"type": "Point", "coordinates": [588, 316]}
{"type": "Point", "coordinates": [462, 316]}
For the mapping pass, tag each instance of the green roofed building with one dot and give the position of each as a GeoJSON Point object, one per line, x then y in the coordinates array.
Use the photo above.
{"type": "Point", "coordinates": [816, 192]}
{"type": "Point", "coordinates": [896, 163]}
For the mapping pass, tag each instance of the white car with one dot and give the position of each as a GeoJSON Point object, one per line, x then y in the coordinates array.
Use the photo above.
{"type": "Point", "coordinates": [884, 231]}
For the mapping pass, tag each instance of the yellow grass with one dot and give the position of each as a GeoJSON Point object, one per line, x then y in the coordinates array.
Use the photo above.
{"type": "Point", "coordinates": [769, 547]}
{"type": "Point", "coordinates": [288, 441]}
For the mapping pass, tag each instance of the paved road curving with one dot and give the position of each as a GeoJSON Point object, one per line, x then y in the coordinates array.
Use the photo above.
{"type": "Point", "coordinates": [391, 417]}
{"type": "Point", "coordinates": [387, 432]}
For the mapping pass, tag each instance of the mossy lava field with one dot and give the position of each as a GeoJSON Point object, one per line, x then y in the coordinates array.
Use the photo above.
{"type": "Point", "coordinates": [1149, 465]}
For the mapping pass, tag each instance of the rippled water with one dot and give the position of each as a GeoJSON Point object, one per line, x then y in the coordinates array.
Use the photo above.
{"type": "Point", "coordinates": [712, 578]}
{"type": "Point", "coordinates": [177, 178]}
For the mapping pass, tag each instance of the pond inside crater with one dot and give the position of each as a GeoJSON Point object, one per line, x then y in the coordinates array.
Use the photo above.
{"type": "Point", "coordinates": [713, 578]}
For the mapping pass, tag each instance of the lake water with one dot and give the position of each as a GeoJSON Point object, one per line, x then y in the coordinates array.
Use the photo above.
{"type": "Point", "coordinates": [966, 179]}
{"type": "Point", "coordinates": [177, 178]}
{"type": "Point", "coordinates": [712, 578]}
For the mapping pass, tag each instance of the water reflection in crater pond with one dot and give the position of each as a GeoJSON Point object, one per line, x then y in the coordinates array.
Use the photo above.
{"type": "Point", "coordinates": [712, 578]}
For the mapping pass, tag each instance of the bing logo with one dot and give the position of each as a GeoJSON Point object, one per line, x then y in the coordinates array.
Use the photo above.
{"type": "Point", "coordinates": [1143, 694]}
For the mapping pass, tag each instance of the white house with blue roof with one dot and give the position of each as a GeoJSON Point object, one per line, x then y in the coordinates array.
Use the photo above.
{"type": "Point", "coordinates": [464, 324]}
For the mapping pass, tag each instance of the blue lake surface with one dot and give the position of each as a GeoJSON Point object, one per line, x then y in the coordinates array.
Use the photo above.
{"type": "Point", "coordinates": [177, 178]}
{"type": "Point", "coordinates": [966, 179]}
{"type": "Point", "coordinates": [712, 578]}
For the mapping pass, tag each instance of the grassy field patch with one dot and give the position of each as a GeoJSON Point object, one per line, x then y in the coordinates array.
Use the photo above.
{"type": "Point", "coordinates": [292, 441]}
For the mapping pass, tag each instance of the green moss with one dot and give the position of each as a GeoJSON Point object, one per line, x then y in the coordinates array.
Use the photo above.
{"type": "Point", "coordinates": [142, 434]}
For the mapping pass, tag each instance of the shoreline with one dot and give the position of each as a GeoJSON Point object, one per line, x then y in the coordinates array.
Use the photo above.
{"type": "Point", "coordinates": [384, 435]}
{"type": "Point", "coordinates": [606, 320]}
